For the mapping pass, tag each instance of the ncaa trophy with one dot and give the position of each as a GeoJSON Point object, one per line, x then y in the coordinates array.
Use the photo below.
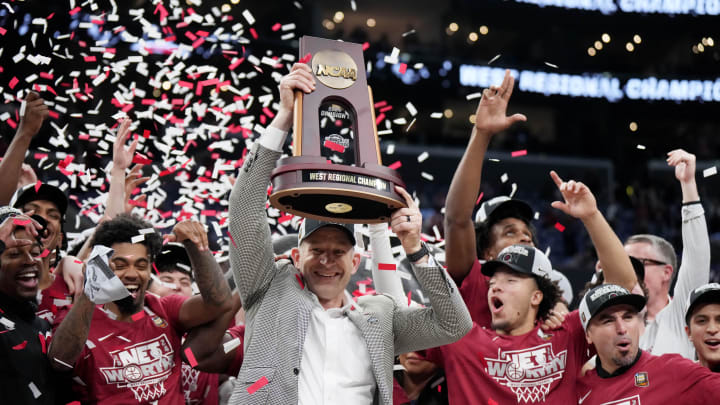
{"type": "Point", "coordinates": [335, 173]}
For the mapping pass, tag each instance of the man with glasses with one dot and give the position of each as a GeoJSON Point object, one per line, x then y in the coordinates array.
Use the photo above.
{"type": "Point", "coordinates": [664, 331]}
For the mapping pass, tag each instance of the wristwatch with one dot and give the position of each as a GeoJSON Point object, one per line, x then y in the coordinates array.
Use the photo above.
{"type": "Point", "coordinates": [413, 257]}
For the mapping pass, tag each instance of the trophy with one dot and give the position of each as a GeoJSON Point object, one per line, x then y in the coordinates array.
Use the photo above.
{"type": "Point", "coordinates": [335, 173]}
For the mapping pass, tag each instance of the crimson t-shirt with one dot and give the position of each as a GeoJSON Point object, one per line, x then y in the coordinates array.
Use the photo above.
{"type": "Point", "coordinates": [666, 379]}
{"type": "Point", "coordinates": [474, 291]}
{"type": "Point", "coordinates": [132, 362]}
{"type": "Point", "coordinates": [538, 367]}
{"type": "Point", "coordinates": [53, 299]}
{"type": "Point", "coordinates": [199, 387]}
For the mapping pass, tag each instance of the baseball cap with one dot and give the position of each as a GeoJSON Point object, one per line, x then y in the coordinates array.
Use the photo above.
{"type": "Point", "coordinates": [637, 266]}
{"type": "Point", "coordinates": [503, 207]}
{"type": "Point", "coordinates": [521, 258]}
{"type": "Point", "coordinates": [8, 212]}
{"type": "Point", "coordinates": [44, 192]}
{"type": "Point", "coordinates": [173, 256]}
{"type": "Point", "coordinates": [702, 295]}
{"type": "Point", "coordinates": [604, 296]}
{"type": "Point", "coordinates": [564, 285]}
{"type": "Point", "coordinates": [310, 225]}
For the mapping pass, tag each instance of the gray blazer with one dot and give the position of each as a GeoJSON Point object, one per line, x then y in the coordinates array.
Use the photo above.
{"type": "Point", "coordinates": [278, 304]}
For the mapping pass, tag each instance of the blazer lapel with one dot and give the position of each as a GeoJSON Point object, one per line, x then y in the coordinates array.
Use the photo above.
{"type": "Point", "coordinates": [369, 324]}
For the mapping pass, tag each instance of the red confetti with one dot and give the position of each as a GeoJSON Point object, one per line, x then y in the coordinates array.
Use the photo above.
{"type": "Point", "coordinates": [41, 337]}
{"type": "Point", "coordinates": [2, 31]}
{"type": "Point", "coordinates": [560, 227]}
{"type": "Point", "coordinates": [403, 68]}
{"type": "Point", "coordinates": [409, 297]}
{"type": "Point", "coordinates": [13, 82]}
{"type": "Point", "coordinates": [479, 198]}
{"type": "Point", "coordinates": [276, 26]}
{"type": "Point", "coordinates": [306, 58]}
{"type": "Point", "coordinates": [231, 239]}
{"type": "Point", "coordinates": [74, 11]}
{"type": "Point", "coordinates": [138, 316]}
{"type": "Point", "coordinates": [379, 119]}
{"type": "Point", "coordinates": [21, 222]}
{"type": "Point", "coordinates": [90, 58]}
{"type": "Point", "coordinates": [334, 146]}
{"type": "Point", "coordinates": [395, 165]}
{"type": "Point", "coordinates": [387, 266]}
{"type": "Point", "coordinates": [519, 153]}
{"type": "Point", "coordinates": [190, 357]}
{"type": "Point", "coordinates": [300, 281]}
{"type": "Point", "coordinates": [263, 381]}
{"type": "Point", "coordinates": [366, 45]}
{"type": "Point", "coordinates": [38, 184]}
{"type": "Point", "coordinates": [140, 159]}
{"type": "Point", "coordinates": [44, 253]}
{"type": "Point", "coordinates": [20, 346]}
{"type": "Point", "coordinates": [253, 33]}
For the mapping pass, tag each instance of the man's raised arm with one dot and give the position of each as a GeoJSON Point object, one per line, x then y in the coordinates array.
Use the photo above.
{"type": "Point", "coordinates": [251, 254]}
{"type": "Point", "coordinates": [459, 227]}
{"type": "Point", "coordinates": [580, 203]}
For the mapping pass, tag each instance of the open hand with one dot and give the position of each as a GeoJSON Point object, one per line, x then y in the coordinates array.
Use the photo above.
{"type": "Point", "coordinates": [490, 116]}
{"type": "Point", "coordinates": [684, 163]}
{"type": "Point", "coordinates": [122, 158]}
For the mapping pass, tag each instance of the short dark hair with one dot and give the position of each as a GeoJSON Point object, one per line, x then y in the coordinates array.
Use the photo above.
{"type": "Point", "coordinates": [551, 295]}
{"type": "Point", "coordinates": [483, 233]}
{"type": "Point", "coordinates": [122, 228]}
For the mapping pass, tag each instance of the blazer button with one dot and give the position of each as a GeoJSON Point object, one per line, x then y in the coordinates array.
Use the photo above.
{"type": "Point", "coordinates": [296, 371]}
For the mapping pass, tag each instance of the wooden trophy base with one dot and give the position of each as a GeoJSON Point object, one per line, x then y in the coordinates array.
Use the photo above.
{"type": "Point", "coordinates": [311, 187]}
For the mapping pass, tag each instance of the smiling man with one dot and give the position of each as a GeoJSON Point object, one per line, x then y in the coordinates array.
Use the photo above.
{"type": "Point", "coordinates": [626, 374]}
{"type": "Point", "coordinates": [25, 373]}
{"type": "Point", "coordinates": [703, 324]}
{"type": "Point", "coordinates": [128, 350]}
{"type": "Point", "coordinates": [329, 349]}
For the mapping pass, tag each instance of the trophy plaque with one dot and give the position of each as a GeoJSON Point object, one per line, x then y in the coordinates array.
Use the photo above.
{"type": "Point", "coordinates": [335, 173]}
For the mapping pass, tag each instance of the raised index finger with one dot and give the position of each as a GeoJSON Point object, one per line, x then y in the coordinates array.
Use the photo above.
{"type": "Point", "coordinates": [558, 181]}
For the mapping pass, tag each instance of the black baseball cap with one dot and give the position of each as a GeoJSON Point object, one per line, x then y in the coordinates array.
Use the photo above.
{"type": "Point", "coordinates": [501, 207]}
{"type": "Point", "coordinates": [45, 192]}
{"type": "Point", "coordinates": [173, 256]}
{"type": "Point", "coordinates": [637, 265]}
{"type": "Point", "coordinates": [521, 258]}
{"type": "Point", "coordinates": [604, 296]}
{"type": "Point", "coordinates": [310, 225]}
{"type": "Point", "coordinates": [708, 293]}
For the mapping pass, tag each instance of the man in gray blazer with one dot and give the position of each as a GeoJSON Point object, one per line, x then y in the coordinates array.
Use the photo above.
{"type": "Point", "coordinates": [306, 341]}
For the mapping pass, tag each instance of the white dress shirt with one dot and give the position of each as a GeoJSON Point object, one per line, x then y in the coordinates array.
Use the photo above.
{"type": "Point", "coordinates": [335, 366]}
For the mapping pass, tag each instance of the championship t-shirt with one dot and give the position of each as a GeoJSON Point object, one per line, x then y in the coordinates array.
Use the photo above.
{"type": "Point", "coordinates": [666, 379]}
{"type": "Point", "coordinates": [199, 388]}
{"type": "Point", "coordinates": [538, 367]}
{"type": "Point", "coordinates": [53, 299]}
{"type": "Point", "coordinates": [132, 362]}
{"type": "Point", "coordinates": [474, 291]}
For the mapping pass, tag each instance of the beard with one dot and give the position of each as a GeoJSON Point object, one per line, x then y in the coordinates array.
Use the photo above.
{"type": "Point", "coordinates": [502, 326]}
{"type": "Point", "coordinates": [129, 306]}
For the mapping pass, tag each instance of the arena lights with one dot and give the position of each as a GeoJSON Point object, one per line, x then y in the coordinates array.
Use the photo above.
{"type": "Point", "coordinates": [595, 85]}
{"type": "Point", "coordinates": [692, 7]}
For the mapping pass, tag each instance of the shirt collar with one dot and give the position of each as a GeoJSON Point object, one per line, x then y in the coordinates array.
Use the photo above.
{"type": "Point", "coordinates": [604, 374]}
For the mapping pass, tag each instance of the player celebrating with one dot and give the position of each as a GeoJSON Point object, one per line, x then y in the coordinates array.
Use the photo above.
{"type": "Point", "coordinates": [624, 374]}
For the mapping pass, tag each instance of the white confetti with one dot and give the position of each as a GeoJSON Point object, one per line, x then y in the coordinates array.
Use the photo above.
{"type": "Point", "coordinates": [137, 239]}
{"type": "Point", "coordinates": [411, 108]}
{"type": "Point", "coordinates": [494, 59]}
{"type": "Point", "coordinates": [473, 96]}
{"type": "Point", "coordinates": [552, 65]}
{"type": "Point", "coordinates": [536, 216]}
{"type": "Point", "coordinates": [410, 125]}
{"type": "Point", "coordinates": [393, 57]}
{"type": "Point", "coordinates": [353, 6]}
{"type": "Point", "coordinates": [641, 147]}
{"type": "Point", "coordinates": [423, 156]}
{"type": "Point", "coordinates": [436, 115]}
{"type": "Point", "coordinates": [146, 231]}
{"type": "Point", "coordinates": [514, 190]}
{"type": "Point", "coordinates": [710, 171]}
{"type": "Point", "coordinates": [427, 176]}
{"type": "Point", "coordinates": [504, 178]}
{"type": "Point", "coordinates": [36, 392]}
{"type": "Point", "coordinates": [248, 16]}
{"type": "Point", "coordinates": [90, 345]}
{"type": "Point", "coordinates": [8, 324]}
{"type": "Point", "coordinates": [62, 362]}
{"type": "Point", "coordinates": [22, 109]}
{"type": "Point", "coordinates": [390, 149]}
{"type": "Point", "coordinates": [231, 345]}
{"type": "Point", "coordinates": [412, 31]}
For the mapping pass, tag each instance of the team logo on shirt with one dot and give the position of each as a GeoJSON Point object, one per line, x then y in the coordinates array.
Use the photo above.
{"type": "Point", "coordinates": [641, 379]}
{"type": "Point", "coordinates": [159, 322]}
{"type": "Point", "coordinates": [142, 367]}
{"type": "Point", "coordinates": [633, 400]}
{"type": "Point", "coordinates": [528, 372]}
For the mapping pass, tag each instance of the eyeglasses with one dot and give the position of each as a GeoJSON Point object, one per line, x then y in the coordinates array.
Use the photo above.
{"type": "Point", "coordinates": [651, 262]}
